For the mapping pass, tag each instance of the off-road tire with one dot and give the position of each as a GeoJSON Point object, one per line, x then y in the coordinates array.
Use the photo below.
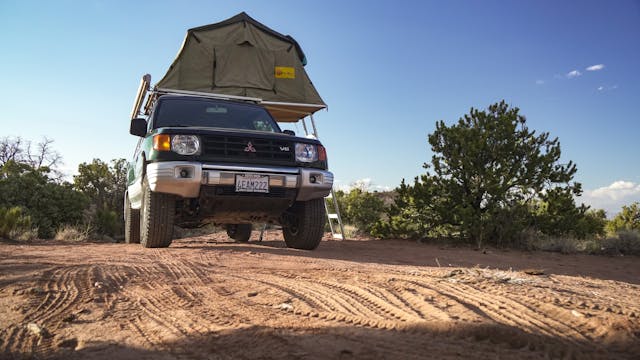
{"type": "Point", "coordinates": [305, 225]}
{"type": "Point", "coordinates": [156, 218]}
{"type": "Point", "coordinates": [131, 223]}
{"type": "Point", "coordinates": [239, 232]}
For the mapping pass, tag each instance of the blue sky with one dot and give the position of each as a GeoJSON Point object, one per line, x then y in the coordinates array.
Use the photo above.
{"type": "Point", "coordinates": [387, 69]}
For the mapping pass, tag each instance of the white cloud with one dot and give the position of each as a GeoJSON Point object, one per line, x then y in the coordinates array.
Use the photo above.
{"type": "Point", "coordinates": [362, 183]}
{"type": "Point", "coordinates": [539, 82]}
{"type": "Point", "coordinates": [595, 67]}
{"type": "Point", "coordinates": [611, 198]}
{"type": "Point", "coordinates": [607, 88]}
{"type": "Point", "coordinates": [365, 184]}
{"type": "Point", "coordinates": [382, 188]}
{"type": "Point", "coordinates": [573, 74]}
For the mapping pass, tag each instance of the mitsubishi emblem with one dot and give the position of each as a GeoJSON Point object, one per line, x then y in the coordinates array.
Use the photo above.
{"type": "Point", "coordinates": [249, 147]}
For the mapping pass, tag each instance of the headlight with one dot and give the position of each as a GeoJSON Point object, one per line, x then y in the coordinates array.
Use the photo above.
{"type": "Point", "coordinates": [306, 152]}
{"type": "Point", "coordinates": [185, 144]}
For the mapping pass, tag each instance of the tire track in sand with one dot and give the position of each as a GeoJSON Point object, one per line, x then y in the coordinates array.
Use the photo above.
{"type": "Point", "coordinates": [503, 310]}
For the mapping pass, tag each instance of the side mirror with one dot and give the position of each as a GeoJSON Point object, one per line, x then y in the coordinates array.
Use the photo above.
{"type": "Point", "coordinates": [289, 132]}
{"type": "Point", "coordinates": [138, 127]}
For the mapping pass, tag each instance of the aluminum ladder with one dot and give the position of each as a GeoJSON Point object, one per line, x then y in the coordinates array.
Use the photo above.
{"type": "Point", "coordinates": [335, 215]}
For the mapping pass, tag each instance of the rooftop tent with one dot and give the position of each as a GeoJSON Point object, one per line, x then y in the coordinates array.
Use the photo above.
{"type": "Point", "coordinates": [242, 57]}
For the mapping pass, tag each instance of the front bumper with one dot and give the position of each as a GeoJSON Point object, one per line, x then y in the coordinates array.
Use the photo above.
{"type": "Point", "coordinates": [185, 178]}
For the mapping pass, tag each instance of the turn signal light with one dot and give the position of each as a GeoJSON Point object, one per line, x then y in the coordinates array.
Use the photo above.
{"type": "Point", "coordinates": [162, 142]}
{"type": "Point", "coordinates": [322, 153]}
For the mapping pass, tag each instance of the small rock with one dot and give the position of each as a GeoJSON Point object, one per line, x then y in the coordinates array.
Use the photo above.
{"type": "Point", "coordinates": [98, 284]}
{"type": "Point", "coordinates": [454, 272]}
{"type": "Point", "coordinates": [577, 313]}
{"type": "Point", "coordinates": [38, 330]}
{"type": "Point", "coordinates": [533, 271]}
{"type": "Point", "coordinates": [252, 294]}
{"type": "Point", "coordinates": [286, 307]}
{"type": "Point", "coordinates": [69, 318]}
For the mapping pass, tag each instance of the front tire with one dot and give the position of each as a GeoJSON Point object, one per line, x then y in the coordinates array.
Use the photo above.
{"type": "Point", "coordinates": [156, 218]}
{"type": "Point", "coordinates": [304, 227]}
{"type": "Point", "coordinates": [239, 232]}
{"type": "Point", "coordinates": [131, 223]}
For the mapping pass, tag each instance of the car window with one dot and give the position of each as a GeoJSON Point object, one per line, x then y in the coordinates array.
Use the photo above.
{"type": "Point", "coordinates": [211, 113]}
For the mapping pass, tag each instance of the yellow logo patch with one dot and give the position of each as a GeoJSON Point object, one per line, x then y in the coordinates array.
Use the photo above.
{"type": "Point", "coordinates": [284, 72]}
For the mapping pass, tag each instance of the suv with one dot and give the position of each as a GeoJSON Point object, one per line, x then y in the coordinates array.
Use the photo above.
{"type": "Point", "coordinates": [204, 160]}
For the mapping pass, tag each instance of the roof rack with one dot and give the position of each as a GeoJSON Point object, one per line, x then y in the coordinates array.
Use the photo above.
{"type": "Point", "coordinates": [145, 88]}
{"type": "Point", "coordinates": [282, 111]}
{"type": "Point", "coordinates": [145, 84]}
{"type": "Point", "coordinates": [163, 91]}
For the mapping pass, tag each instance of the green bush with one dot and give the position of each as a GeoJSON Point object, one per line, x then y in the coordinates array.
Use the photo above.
{"type": "Point", "coordinates": [359, 208]}
{"type": "Point", "coordinates": [107, 222]}
{"type": "Point", "coordinates": [104, 185]}
{"type": "Point", "coordinates": [13, 222]}
{"type": "Point", "coordinates": [627, 219]}
{"type": "Point", "coordinates": [50, 204]}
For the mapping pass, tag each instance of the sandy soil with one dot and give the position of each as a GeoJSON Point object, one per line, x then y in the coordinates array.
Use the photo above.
{"type": "Point", "coordinates": [209, 298]}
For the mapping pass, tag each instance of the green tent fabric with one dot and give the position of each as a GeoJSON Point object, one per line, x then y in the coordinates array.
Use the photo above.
{"type": "Point", "coordinates": [242, 57]}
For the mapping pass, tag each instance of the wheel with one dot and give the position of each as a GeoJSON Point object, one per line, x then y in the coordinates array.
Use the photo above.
{"type": "Point", "coordinates": [239, 232]}
{"type": "Point", "coordinates": [305, 225]}
{"type": "Point", "coordinates": [156, 218]}
{"type": "Point", "coordinates": [131, 223]}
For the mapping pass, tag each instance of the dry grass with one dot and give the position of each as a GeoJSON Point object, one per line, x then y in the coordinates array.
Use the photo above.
{"type": "Point", "coordinates": [625, 242]}
{"type": "Point", "coordinates": [69, 233]}
{"type": "Point", "coordinates": [24, 235]}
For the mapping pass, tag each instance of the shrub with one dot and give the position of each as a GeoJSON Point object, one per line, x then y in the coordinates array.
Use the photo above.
{"type": "Point", "coordinates": [70, 233]}
{"type": "Point", "coordinates": [50, 204]}
{"type": "Point", "coordinates": [13, 223]}
{"type": "Point", "coordinates": [106, 222]}
{"type": "Point", "coordinates": [627, 219]}
{"type": "Point", "coordinates": [626, 242]}
{"type": "Point", "coordinates": [359, 208]}
{"type": "Point", "coordinates": [537, 241]}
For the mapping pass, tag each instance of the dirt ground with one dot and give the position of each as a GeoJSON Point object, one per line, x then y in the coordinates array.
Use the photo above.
{"type": "Point", "coordinates": [209, 298]}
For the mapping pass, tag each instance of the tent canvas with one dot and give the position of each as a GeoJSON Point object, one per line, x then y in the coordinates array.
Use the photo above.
{"type": "Point", "coordinates": [242, 57]}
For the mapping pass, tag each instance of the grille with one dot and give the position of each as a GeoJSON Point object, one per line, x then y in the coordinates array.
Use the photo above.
{"type": "Point", "coordinates": [232, 148]}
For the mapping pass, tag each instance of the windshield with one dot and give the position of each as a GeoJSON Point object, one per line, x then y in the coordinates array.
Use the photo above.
{"type": "Point", "coordinates": [211, 113]}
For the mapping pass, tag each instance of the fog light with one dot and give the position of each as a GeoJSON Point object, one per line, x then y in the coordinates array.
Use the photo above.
{"type": "Point", "coordinates": [312, 179]}
{"type": "Point", "coordinates": [184, 173]}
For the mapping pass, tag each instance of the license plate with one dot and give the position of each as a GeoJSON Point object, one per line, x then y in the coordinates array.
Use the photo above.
{"type": "Point", "coordinates": [252, 183]}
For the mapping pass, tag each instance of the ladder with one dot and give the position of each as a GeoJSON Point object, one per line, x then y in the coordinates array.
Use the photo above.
{"type": "Point", "coordinates": [335, 215]}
